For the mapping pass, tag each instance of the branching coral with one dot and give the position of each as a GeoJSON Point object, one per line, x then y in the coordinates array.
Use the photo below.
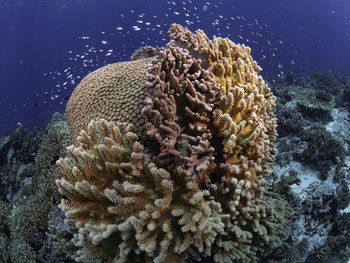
{"type": "Point", "coordinates": [187, 182]}
{"type": "Point", "coordinates": [178, 112]}
{"type": "Point", "coordinates": [23, 220]}
{"type": "Point", "coordinates": [116, 193]}
{"type": "Point", "coordinates": [243, 118]}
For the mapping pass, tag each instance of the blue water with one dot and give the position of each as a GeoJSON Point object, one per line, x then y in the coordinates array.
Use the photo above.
{"type": "Point", "coordinates": [47, 46]}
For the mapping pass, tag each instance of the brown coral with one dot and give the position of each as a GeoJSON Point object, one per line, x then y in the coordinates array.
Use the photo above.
{"type": "Point", "coordinates": [145, 52]}
{"type": "Point", "coordinates": [244, 121]}
{"type": "Point", "coordinates": [115, 92]}
{"type": "Point", "coordinates": [179, 110]}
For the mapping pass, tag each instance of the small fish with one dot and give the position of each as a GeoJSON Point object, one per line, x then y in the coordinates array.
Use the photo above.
{"type": "Point", "coordinates": [62, 7]}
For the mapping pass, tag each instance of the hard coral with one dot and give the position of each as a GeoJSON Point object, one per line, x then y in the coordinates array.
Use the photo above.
{"type": "Point", "coordinates": [145, 52]}
{"type": "Point", "coordinates": [192, 176]}
{"type": "Point", "coordinates": [121, 196]}
{"type": "Point", "coordinates": [115, 92]}
{"type": "Point", "coordinates": [243, 116]}
{"type": "Point", "coordinates": [324, 150]}
{"type": "Point", "coordinates": [178, 112]}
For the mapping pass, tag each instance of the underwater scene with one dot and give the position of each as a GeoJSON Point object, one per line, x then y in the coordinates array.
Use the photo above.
{"type": "Point", "coordinates": [175, 131]}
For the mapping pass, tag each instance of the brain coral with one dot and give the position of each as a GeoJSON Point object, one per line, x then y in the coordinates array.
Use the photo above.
{"type": "Point", "coordinates": [170, 160]}
{"type": "Point", "coordinates": [115, 92]}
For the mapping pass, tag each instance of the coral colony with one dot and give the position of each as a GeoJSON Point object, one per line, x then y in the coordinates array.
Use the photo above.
{"type": "Point", "coordinates": [169, 157]}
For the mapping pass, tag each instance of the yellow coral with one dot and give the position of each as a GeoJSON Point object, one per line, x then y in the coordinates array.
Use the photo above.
{"type": "Point", "coordinates": [243, 117]}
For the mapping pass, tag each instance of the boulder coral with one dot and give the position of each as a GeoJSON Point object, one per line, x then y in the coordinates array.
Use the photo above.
{"type": "Point", "coordinates": [169, 157]}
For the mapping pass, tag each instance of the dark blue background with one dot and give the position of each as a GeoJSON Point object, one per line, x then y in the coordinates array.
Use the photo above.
{"type": "Point", "coordinates": [37, 35]}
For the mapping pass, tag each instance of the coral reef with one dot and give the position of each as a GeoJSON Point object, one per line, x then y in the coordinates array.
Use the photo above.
{"type": "Point", "coordinates": [290, 120]}
{"type": "Point", "coordinates": [312, 171]}
{"type": "Point", "coordinates": [25, 208]}
{"type": "Point", "coordinates": [172, 163]}
{"type": "Point", "coordinates": [186, 179]}
{"type": "Point", "coordinates": [313, 104]}
{"type": "Point", "coordinates": [17, 152]}
{"type": "Point", "coordinates": [324, 150]}
{"type": "Point", "coordinates": [322, 81]}
{"type": "Point", "coordinates": [337, 243]}
{"type": "Point", "coordinates": [344, 96]}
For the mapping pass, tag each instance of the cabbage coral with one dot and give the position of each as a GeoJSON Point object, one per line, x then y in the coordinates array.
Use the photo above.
{"type": "Point", "coordinates": [187, 181]}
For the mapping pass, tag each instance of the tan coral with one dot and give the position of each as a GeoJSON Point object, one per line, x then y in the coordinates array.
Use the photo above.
{"type": "Point", "coordinates": [198, 42]}
{"type": "Point", "coordinates": [247, 128]}
{"type": "Point", "coordinates": [114, 92]}
{"type": "Point", "coordinates": [114, 192]}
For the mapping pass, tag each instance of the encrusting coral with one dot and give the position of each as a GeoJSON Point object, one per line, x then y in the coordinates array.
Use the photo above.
{"type": "Point", "coordinates": [171, 164]}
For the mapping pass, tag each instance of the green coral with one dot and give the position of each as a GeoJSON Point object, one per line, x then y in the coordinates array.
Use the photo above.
{"type": "Point", "coordinates": [4, 253]}
{"type": "Point", "coordinates": [21, 170]}
{"type": "Point", "coordinates": [283, 186]}
{"type": "Point", "coordinates": [323, 81]}
{"type": "Point", "coordinates": [337, 245]}
{"type": "Point", "coordinates": [346, 95]}
{"type": "Point", "coordinates": [347, 90]}
{"type": "Point", "coordinates": [51, 149]}
{"type": "Point", "coordinates": [64, 247]}
{"type": "Point", "coordinates": [28, 221]}
{"type": "Point", "coordinates": [313, 103]}
{"type": "Point", "coordinates": [23, 227]}
{"type": "Point", "coordinates": [4, 211]}
{"type": "Point", "coordinates": [22, 252]}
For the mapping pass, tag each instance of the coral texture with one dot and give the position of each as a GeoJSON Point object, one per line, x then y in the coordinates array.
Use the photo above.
{"type": "Point", "coordinates": [115, 92]}
{"type": "Point", "coordinates": [121, 195]}
{"type": "Point", "coordinates": [187, 182]}
{"type": "Point", "coordinates": [23, 219]}
{"type": "Point", "coordinates": [145, 52]}
{"type": "Point", "coordinates": [179, 111]}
